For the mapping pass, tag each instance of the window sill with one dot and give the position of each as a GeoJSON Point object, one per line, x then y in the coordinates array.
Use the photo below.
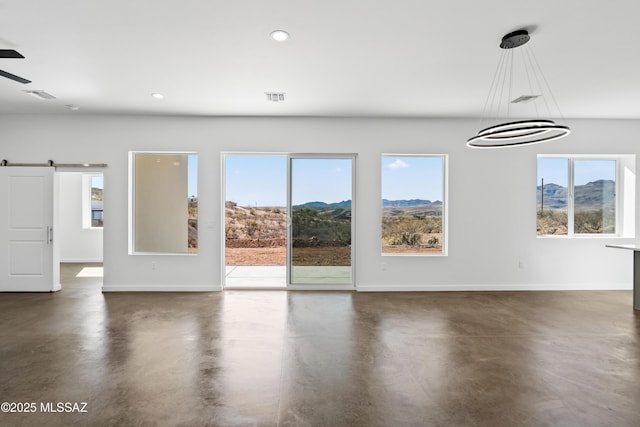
{"type": "Point", "coordinates": [584, 236]}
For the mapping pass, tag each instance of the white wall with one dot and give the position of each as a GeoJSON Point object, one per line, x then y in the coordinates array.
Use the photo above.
{"type": "Point", "coordinates": [77, 244]}
{"type": "Point", "coordinates": [485, 246]}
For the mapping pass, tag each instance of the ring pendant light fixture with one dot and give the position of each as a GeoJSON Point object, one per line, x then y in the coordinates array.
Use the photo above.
{"type": "Point", "coordinates": [516, 133]}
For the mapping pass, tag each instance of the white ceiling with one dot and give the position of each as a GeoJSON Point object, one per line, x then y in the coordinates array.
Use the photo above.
{"type": "Point", "coordinates": [414, 58]}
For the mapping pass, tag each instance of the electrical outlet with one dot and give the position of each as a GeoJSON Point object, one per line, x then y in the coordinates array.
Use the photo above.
{"type": "Point", "coordinates": [153, 265]}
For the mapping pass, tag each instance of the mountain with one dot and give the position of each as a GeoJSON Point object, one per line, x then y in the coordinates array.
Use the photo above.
{"type": "Point", "coordinates": [417, 208]}
{"type": "Point", "coordinates": [323, 205]}
{"type": "Point", "coordinates": [596, 194]}
{"type": "Point", "coordinates": [385, 204]}
{"type": "Point", "coordinates": [555, 196]}
{"type": "Point", "coordinates": [405, 203]}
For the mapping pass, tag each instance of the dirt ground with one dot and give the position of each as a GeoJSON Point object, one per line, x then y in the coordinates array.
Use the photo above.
{"type": "Point", "coordinates": [255, 256]}
{"type": "Point", "coordinates": [278, 255]}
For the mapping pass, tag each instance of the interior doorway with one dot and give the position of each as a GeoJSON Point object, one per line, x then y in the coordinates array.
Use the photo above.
{"type": "Point", "coordinates": [80, 226]}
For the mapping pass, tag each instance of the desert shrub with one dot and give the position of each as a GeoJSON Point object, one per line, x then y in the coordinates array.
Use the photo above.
{"type": "Point", "coordinates": [595, 221]}
{"type": "Point", "coordinates": [405, 238]}
{"type": "Point", "coordinates": [433, 240]}
{"type": "Point", "coordinates": [411, 239]}
{"type": "Point", "coordinates": [552, 222]}
{"type": "Point", "coordinates": [586, 221]}
{"type": "Point", "coordinates": [251, 228]}
{"type": "Point", "coordinates": [323, 224]}
{"type": "Point", "coordinates": [395, 230]}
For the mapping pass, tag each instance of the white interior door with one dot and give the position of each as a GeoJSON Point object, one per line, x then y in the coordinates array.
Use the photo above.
{"type": "Point", "coordinates": [26, 230]}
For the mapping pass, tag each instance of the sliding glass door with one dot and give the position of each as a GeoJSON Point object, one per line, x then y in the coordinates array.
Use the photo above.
{"type": "Point", "coordinates": [255, 220]}
{"type": "Point", "coordinates": [321, 231]}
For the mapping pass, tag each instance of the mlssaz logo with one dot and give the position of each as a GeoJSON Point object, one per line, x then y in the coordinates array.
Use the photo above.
{"type": "Point", "coordinates": [63, 407]}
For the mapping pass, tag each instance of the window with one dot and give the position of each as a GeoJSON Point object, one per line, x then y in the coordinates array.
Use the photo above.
{"type": "Point", "coordinates": [96, 201]}
{"type": "Point", "coordinates": [92, 200]}
{"type": "Point", "coordinates": [164, 196]}
{"type": "Point", "coordinates": [579, 195]}
{"type": "Point", "coordinates": [413, 205]}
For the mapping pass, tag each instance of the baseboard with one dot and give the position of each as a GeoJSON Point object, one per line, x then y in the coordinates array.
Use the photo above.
{"type": "Point", "coordinates": [497, 287]}
{"type": "Point", "coordinates": [161, 288]}
{"type": "Point", "coordinates": [80, 260]}
{"type": "Point", "coordinates": [395, 288]}
{"type": "Point", "coordinates": [53, 288]}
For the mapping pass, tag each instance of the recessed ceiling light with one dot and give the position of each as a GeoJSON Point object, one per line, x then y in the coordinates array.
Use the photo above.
{"type": "Point", "coordinates": [157, 95]}
{"type": "Point", "coordinates": [279, 35]}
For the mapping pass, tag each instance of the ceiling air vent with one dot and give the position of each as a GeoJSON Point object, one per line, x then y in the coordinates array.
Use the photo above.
{"type": "Point", "coordinates": [40, 94]}
{"type": "Point", "coordinates": [275, 96]}
{"type": "Point", "coordinates": [523, 99]}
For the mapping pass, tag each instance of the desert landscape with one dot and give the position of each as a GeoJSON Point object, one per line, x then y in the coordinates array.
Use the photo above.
{"type": "Point", "coordinates": [257, 236]}
{"type": "Point", "coordinates": [322, 232]}
{"type": "Point", "coordinates": [594, 209]}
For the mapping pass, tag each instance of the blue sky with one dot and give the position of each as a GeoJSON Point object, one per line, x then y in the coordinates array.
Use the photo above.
{"type": "Point", "coordinates": [556, 171]}
{"type": "Point", "coordinates": [192, 161]}
{"type": "Point", "coordinates": [97, 181]}
{"type": "Point", "coordinates": [261, 180]}
{"type": "Point", "coordinates": [586, 171]}
{"type": "Point", "coordinates": [412, 177]}
{"type": "Point", "coordinates": [256, 180]}
{"type": "Point", "coordinates": [322, 180]}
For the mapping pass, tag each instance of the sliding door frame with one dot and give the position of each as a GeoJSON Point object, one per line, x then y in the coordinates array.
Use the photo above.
{"type": "Point", "coordinates": [321, 286]}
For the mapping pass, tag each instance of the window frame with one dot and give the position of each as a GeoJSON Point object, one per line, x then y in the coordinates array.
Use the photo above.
{"type": "Point", "coordinates": [132, 197]}
{"type": "Point", "coordinates": [619, 195]}
{"type": "Point", "coordinates": [445, 205]}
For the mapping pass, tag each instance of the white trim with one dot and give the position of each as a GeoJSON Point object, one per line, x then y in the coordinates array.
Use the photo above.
{"type": "Point", "coordinates": [382, 288]}
{"type": "Point", "coordinates": [131, 196]}
{"type": "Point", "coordinates": [161, 288]}
{"type": "Point", "coordinates": [55, 287]}
{"type": "Point", "coordinates": [445, 205]}
{"type": "Point", "coordinates": [498, 287]}
{"type": "Point", "coordinates": [624, 222]}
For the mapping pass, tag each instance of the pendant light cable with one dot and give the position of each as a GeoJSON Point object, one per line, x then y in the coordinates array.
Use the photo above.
{"type": "Point", "coordinates": [522, 132]}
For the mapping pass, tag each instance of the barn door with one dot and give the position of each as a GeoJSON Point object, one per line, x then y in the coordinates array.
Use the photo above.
{"type": "Point", "coordinates": [26, 230]}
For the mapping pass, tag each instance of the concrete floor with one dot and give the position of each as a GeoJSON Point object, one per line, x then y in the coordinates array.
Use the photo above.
{"type": "Point", "coordinates": [275, 276]}
{"type": "Point", "coordinates": [254, 358]}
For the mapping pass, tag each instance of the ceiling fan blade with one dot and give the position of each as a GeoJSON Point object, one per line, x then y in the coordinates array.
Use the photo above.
{"type": "Point", "coordinates": [10, 53]}
{"type": "Point", "coordinates": [14, 77]}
